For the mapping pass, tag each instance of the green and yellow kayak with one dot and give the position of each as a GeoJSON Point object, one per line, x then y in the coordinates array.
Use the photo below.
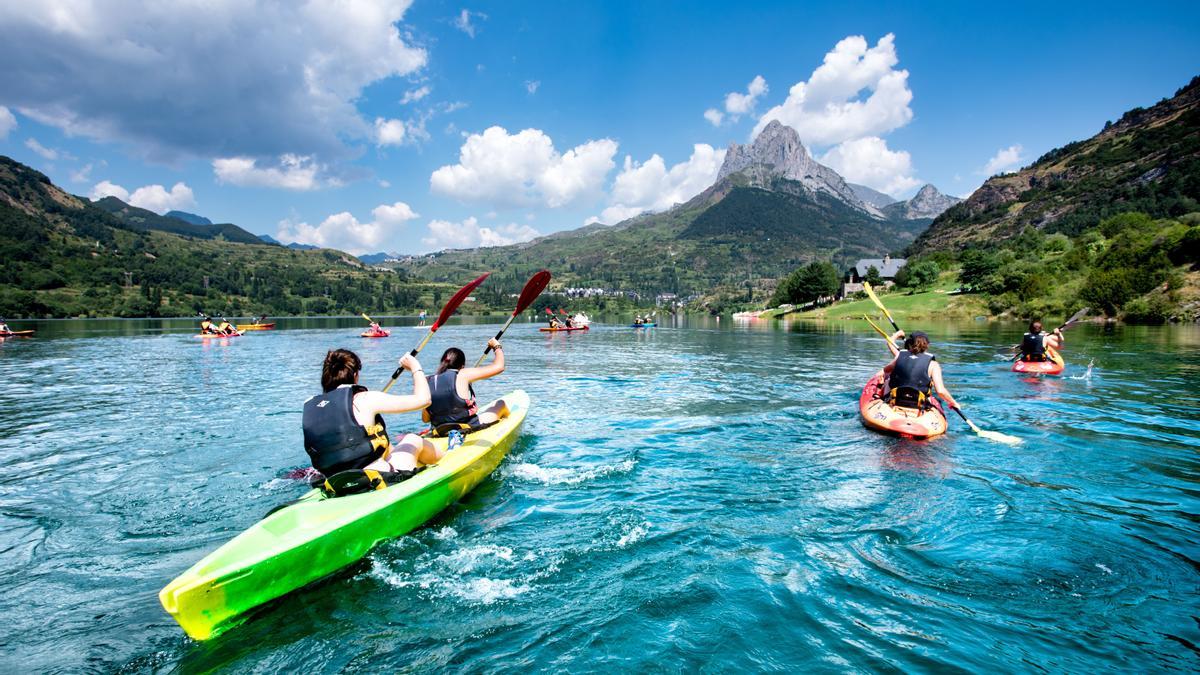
{"type": "Point", "coordinates": [317, 536]}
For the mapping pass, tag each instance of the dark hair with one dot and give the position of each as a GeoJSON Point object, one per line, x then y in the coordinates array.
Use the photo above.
{"type": "Point", "coordinates": [1035, 326]}
{"type": "Point", "coordinates": [452, 359]}
{"type": "Point", "coordinates": [341, 365]}
{"type": "Point", "coordinates": [917, 344]}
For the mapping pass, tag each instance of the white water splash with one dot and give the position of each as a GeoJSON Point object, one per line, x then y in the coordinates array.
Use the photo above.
{"type": "Point", "coordinates": [528, 471]}
{"type": "Point", "coordinates": [1086, 376]}
{"type": "Point", "coordinates": [1104, 568]}
{"type": "Point", "coordinates": [634, 534]}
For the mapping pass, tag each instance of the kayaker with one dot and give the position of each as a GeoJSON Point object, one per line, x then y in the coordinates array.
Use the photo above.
{"type": "Point", "coordinates": [226, 328]}
{"type": "Point", "coordinates": [452, 398]}
{"type": "Point", "coordinates": [375, 328]}
{"type": "Point", "coordinates": [4, 327]}
{"type": "Point", "coordinates": [206, 327]}
{"type": "Point", "coordinates": [1035, 342]}
{"type": "Point", "coordinates": [914, 375]}
{"type": "Point", "coordinates": [554, 322]}
{"type": "Point", "coordinates": [344, 427]}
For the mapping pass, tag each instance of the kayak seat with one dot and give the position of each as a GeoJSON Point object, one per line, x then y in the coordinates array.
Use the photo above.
{"type": "Point", "coordinates": [908, 397]}
{"type": "Point", "coordinates": [443, 430]}
{"type": "Point", "coordinates": [358, 481]}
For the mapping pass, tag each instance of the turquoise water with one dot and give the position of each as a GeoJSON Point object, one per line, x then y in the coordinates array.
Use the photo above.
{"type": "Point", "coordinates": [699, 496]}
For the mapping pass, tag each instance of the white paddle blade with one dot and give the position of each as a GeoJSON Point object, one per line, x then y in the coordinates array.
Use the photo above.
{"type": "Point", "coordinates": [999, 437]}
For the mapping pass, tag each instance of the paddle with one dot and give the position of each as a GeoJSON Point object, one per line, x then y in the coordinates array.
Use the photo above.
{"type": "Point", "coordinates": [1074, 318]}
{"type": "Point", "coordinates": [885, 336]}
{"type": "Point", "coordinates": [533, 288]}
{"type": "Point", "coordinates": [982, 433]}
{"type": "Point", "coordinates": [447, 312]}
{"type": "Point", "coordinates": [875, 299]}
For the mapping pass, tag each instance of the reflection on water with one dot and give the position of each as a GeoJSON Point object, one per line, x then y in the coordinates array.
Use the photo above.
{"type": "Point", "coordinates": [696, 496]}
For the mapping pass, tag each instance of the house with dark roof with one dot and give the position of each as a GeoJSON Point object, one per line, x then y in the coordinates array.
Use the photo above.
{"type": "Point", "coordinates": [887, 267]}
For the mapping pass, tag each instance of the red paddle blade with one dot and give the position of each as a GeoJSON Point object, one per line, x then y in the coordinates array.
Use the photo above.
{"type": "Point", "coordinates": [549, 312]}
{"type": "Point", "coordinates": [562, 311]}
{"type": "Point", "coordinates": [533, 288]}
{"type": "Point", "coordinates": [457, 300]}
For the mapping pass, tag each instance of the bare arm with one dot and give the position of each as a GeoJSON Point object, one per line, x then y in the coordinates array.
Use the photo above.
{"type": "Point", "coordinates": [890, 367]}
{"type": "Point", "coordinates": [492, 369]}
{"type": "Point", "coordinates": [935, 374]}
{"type": "Point", "coordinates": [376, 402]}
{"type": "Point", "coordinates": [1054, 339]}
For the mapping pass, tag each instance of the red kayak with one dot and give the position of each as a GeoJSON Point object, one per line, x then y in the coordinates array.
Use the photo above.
{"type": "Point", "coordinates": [1053, 365]}
{"type": "Point", "coordinates": [564, 329]}
{"type": "Point", "coordinates": [373, 334]}
{"type": "Point", "coordinates": [906, 422]}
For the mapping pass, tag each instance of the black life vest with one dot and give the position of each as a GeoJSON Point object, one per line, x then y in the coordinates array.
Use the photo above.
{"type": "Point", "coordinates": [335, 441]}
{"type": "Point", "coordinates": [910, 383]}
{"type": "Point", "coordinates": [446, 406]}
{"type": "Point", "coordinates": [1033, 347]}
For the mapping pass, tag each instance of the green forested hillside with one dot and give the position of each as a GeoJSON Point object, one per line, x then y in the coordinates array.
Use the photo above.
{"type": "Point", "coordinates": [64, 256]}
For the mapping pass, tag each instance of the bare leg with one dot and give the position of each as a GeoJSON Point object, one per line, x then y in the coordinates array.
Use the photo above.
{"type": "Point", "coordinates": [494, 412]}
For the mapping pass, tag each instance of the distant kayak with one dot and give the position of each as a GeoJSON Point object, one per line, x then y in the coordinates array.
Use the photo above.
{"type": "Point", "coordinates": [255, 326]}
{"type": "Point", "coordinates": [317, 535]}
{"type": "Point", "coordinates": [547, 329]}
{"type": "Point", "coordinates": [373, 334]}
{"type": "Point", "coordinates": [879, 416]}
{"type": "Point", "coordinates": [17, 333]}
{"type": "Point", "coordinates": [217, 336]}
{"type": "Point", "coordinates": [643, 325]}
{"type": "Point", "coordinates": [1052, 366]}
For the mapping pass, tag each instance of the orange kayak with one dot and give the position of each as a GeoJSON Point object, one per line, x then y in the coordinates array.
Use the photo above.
{"type": "Point", "coordinates": [256, 326]}
{"type": "Point", "coordinates": [547, 329]}
{"type": "Point", "coordinates": [1051, 366]}
{"type": "Point", "coordinates": [16, 333]}
{"type": "Point", "coordinates": [218, 336]}
{"type": "Point", "coordinates": [906, 422]}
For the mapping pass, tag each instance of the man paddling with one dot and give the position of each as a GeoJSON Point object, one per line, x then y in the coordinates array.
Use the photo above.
{"type": "Point", "coordinates": [914, 375]}
{"type": "Point", "coordinates": [1035, 343]}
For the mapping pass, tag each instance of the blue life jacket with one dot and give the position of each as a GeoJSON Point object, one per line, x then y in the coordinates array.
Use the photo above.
{"type": "Point", "coordinates": [910, 385]}
{"type": "Point", "coordinates": [334, 440]}
{"type": "Point", "coordinates": [446, 405]}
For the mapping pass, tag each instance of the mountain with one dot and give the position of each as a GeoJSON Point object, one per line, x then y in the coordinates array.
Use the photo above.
{"type": "Point", "coordinates": [1147, 161]}
{"type": "Point", "coordinates": [927, 204]}
{"type": "Point", "coordinates": [142, 219]}
{"type": "Point", "coordinates": [377, 258]}
{"type": "Point", "coordinates": [188, 217]}
{"type": "Point", "coordinates": [294, 246]}
{"type": "Point", "coordinates": [870, 196]}
{"type": "Point", "coordinates": [771, 209]}
{"type": "Point", "coordinates": [67, 256]}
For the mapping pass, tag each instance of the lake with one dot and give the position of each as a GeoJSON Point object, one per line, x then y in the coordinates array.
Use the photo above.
{"type": "Point", "coordinates": [698, 496]}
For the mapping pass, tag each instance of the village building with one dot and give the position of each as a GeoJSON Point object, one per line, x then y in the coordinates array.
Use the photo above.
{"type": "Point", "coordinates": [887, 266]}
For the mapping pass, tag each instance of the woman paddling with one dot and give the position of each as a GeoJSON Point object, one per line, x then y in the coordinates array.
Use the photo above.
{"type": "Point", "coordinates": [452, 398]}
{"type": "Point", "coordinates": [914, 375]}
{"type": "Point", "coordinates": [344, 427]}
{"type": "Point", "coordinates": [1035, 343]}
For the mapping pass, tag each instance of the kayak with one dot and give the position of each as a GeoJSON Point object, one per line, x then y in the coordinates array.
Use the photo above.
{"type": "Point", "coordinates": [216, 336]}
{"type": "Point", "coordinates": [17, 333]}
{"type": "Point", "coordinates": [317, 536]}
{"type": "Point", "coordinates": [643, 325]}
{"type": "Point", "coordinates": [1052, 366]}
{"type": "Point", "coordinates": [879, 416]}
{"type": "Point", "coordinates": [547, 329]}
{"type": "Point", "coordinates": [382, 333]}
{"type": "Point", "coordinates": [256, 326]}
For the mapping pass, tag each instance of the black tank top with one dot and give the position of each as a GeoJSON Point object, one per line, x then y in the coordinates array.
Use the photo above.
{"type": "Point", "coordinates": [446, 405]}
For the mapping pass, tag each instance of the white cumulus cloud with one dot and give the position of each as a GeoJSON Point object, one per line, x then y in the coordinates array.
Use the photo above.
{"type": "Point", "coordinates": [651, 186]}
{"type": "Point", "coordinates": [389, 132]}
{"type": "Point", "coordinates": [154, 198]}
{"type": "Point", "coordinates": [445, 234]}
{"type": "Point", "coordinates": [344, 232]}
{"type": "Point", "coordinates": [714, 116]}
{"type": "Point", "coordinates": [830, 107]}
{"type": "Point", "coordinates": [867, 161]}
{"type": "Point", "coordinates": [46, 153]}
{"type": "Point", "coordinates": [251, 78]}
{"type": "Point", "coordinates": [737, 103]}
{"type": "Point", "coordinates": [531, 86]}
{"type": "Point", "coordinates": [524, 169]}
{"type": "Point", "coordinates": [1004, 160]}
{"type": "Point", "coordinates": [8, 122]}
{"type": "Point", "coordinates": [293, 173]}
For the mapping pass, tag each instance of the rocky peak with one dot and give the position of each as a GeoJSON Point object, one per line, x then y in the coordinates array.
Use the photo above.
{"type": "Point", "coordinates": [778, 153]}
{"type": "Point", "coordinates": [929, 203]}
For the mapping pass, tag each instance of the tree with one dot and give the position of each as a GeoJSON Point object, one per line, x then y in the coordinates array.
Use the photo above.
{"type": "Point", "coordinates": [977, 266]}
{"type": "Point", "coordinates": [813, 281]}
{"type": "Point", "coordinates": [873, 277]}
{"type": "Point", "coordinates": [918, 275]}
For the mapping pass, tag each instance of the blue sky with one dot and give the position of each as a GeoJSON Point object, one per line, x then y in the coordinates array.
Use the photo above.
{"type": "Point", "coordinates": [412, 127]}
